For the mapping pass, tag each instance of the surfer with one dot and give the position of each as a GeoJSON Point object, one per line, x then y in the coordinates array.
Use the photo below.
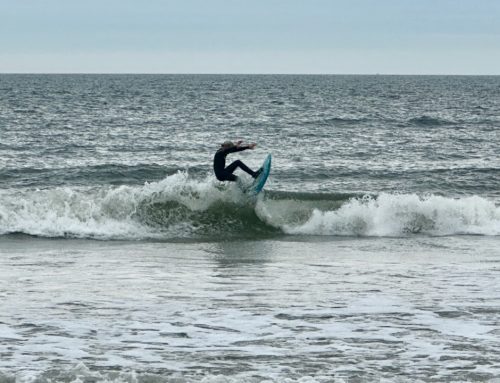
{"type": "Point", "coordinates": [225, 173]}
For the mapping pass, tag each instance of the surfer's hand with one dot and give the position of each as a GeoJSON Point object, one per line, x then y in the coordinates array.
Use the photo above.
{"type": "Point", "coordinates": [251, 146]}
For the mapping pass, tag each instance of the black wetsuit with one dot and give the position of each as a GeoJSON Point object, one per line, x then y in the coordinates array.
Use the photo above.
{"type": "Point", "coordinates": [224, 173]}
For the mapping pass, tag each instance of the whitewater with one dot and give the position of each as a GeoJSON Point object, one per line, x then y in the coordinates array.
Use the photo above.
{"type": "Point", "coordinates": [372, 255]}
{"type": "Point", "coordinates": [180, 207]}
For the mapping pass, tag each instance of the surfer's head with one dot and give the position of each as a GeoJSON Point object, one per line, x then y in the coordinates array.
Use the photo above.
{"type": "Point", "coordinates": [227, 144]}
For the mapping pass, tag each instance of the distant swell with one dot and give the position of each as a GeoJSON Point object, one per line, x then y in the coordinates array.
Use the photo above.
{"type": "Point", "coordinates": [180, 207]}
{"type": "Point", "coordinates": [97, 174]}
{"type": "Point", "coordinates": [335, 121]}
{"type": "Point", "coordinates": [429, 121]}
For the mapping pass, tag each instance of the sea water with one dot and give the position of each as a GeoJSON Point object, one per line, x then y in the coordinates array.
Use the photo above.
{"type": "Point", "coordinates": [372, 254]}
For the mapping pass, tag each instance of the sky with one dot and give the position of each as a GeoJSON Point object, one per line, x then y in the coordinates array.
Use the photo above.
{"type": "Point", "coordinates": [250, 36]}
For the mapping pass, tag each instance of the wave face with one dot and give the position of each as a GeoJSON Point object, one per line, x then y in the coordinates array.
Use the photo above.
{"type": "Point", "coordinates": [182, 208]}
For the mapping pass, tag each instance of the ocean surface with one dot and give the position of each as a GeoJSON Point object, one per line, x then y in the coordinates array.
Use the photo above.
{"type": "Point", "coordinates": [373, 254]}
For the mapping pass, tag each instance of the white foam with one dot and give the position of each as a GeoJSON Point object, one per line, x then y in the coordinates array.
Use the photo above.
{"type": "Point", "coordinates": [106, 213]}
{"type": "Point", "coordinates": [396, 215]}
{"type": "Point", "coordinates": [81, 373]}
{"type": "Point", "coordinates": [118, 212]}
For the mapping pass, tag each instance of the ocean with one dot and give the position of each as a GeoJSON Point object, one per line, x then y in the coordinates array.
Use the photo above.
{"type": "Point", "coordinates": [372, 255]}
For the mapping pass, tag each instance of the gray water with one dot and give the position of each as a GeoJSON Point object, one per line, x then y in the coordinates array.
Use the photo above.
{"type": "Point", "coordinates": [372, 254]}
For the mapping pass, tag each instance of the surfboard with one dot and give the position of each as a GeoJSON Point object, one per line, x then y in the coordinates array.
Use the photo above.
{"type": "Point", "coordinates": [259, 182]}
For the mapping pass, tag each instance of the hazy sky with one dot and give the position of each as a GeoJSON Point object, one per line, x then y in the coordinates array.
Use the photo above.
{"type": "Point", "coordinates": [251, 36]}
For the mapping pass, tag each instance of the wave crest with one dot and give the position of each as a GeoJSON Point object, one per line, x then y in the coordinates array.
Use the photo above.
{"type": "Point", "coordinates": [399, 215]}
{"type": "Point", "coordinates": [180, 207]}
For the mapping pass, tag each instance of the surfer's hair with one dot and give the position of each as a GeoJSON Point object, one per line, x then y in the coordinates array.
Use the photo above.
{"type": "Point", "coordinates": [227, 143]}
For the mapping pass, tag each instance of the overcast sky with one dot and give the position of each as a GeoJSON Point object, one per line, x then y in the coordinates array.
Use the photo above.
{"type": "Point", "coordinates": [250, 36]}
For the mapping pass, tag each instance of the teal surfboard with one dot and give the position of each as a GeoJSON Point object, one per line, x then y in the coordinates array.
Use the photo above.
{"type": "Point", "coordinates": [258, 183]}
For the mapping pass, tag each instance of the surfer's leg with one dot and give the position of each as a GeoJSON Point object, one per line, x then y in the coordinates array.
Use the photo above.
{"type": "Point", "coordinates": [226, 176]}
{"type": "Point", "coordinates": [238, 164]}
{"type": "Point", "coordinates": [231, 177]}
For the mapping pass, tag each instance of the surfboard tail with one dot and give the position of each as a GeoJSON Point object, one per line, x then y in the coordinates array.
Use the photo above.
{"type": "Point", "coordinates": [259, 182]}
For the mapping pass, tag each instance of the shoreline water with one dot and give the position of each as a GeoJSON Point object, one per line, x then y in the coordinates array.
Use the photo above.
{"type": "Point", "coordinates": [329, 309]}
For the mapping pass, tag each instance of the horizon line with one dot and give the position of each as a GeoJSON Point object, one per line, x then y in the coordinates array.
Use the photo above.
{"type": "Point", "coordinates": [247, 74]}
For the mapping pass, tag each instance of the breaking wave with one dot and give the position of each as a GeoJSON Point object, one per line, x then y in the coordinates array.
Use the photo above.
{"type": "Point", "coordinates": [180, 207]}
{"type": "Point", "coordinates": [400, 215]}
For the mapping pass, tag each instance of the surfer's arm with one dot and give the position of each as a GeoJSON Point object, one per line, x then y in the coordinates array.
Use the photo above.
{"type": "Point", "coordinates": [244, 147]}
{"type": "Point", "coordinates": [238, 148]}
